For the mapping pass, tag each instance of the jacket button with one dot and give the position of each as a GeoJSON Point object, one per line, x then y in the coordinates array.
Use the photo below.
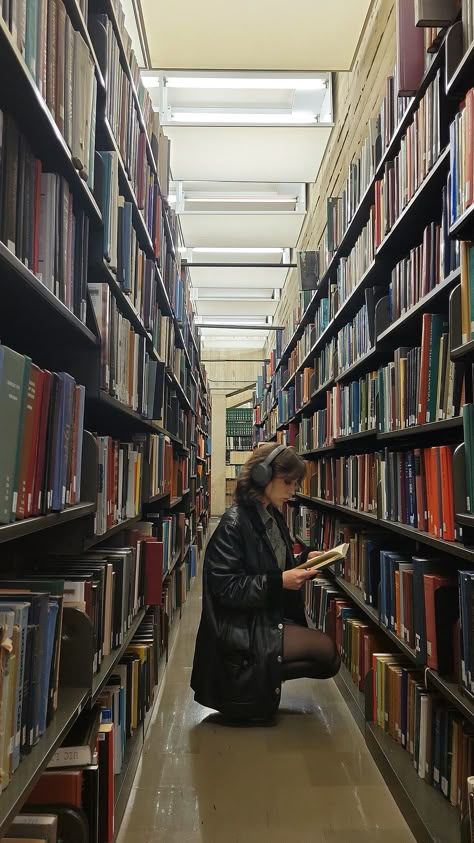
{"type": "Point", "coordinates": [279, 659]}
{"type": "Point", "coordinates": [277, 692]}
{"type": "Point", "coordinates": [280, 626]}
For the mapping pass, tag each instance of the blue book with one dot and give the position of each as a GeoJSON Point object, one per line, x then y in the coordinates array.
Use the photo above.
{"type": "Point", "coordinates": [80, 440]}
{"type": "Point", "coordinates": [31, 36]}
{"type": "Point", "coordinates": [107, 159]}
{"type": "Point", "coordinates": [126, 274]}
{"type": "Point", "coordinates": [58, 443]}
{"type": "Point", "coordinates": [454, 180]}
{"type": "Point", "coordinates": [46, 664]}
{"type": "Point", "coordinates": [21, 613]}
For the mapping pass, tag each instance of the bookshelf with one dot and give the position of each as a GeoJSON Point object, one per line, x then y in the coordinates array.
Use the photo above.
{"type": "Point", "coordinates": [157, 440]}
{"type": "Point", "coordinates": [338, 366]}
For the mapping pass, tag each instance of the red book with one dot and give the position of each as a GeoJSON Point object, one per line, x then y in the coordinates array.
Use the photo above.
{"type": "Point", "coordinates": [28, 435]}
{"type": "Point", "coordinates": [106, 782]}
{"type": "Point", "coordinates": [153, 565]}
{"type": "Point", "coordinates": [60, 54]}
{"type": "Point", "coordinates": [410, 50]}
{"type": "Point", "coordinates": [446, 458]}
{"type": "Point", "coordinates": [60, 788]}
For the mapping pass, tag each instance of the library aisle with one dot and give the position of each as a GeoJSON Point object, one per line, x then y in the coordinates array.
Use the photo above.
{"type": "Point", "coordinates": [310, 779]}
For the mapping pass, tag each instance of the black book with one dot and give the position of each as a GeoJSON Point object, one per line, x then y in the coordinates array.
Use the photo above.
{"type": "Point", "coordinates": [372, 296]}
{"type": "Point", "coordinates": [20, 204]}
{"type": "Point", "coordinates": [10, 190]}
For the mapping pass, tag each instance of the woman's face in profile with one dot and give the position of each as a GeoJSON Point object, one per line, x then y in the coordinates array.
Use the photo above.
{"type": "Point", "coordinates": [280, 490]}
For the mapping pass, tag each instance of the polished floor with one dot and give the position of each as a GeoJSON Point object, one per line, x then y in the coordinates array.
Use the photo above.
{"type": "Point", "coordinates": [310, 779]}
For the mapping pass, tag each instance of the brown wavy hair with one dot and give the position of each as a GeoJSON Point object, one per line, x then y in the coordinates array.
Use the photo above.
{"type": "Point", "coordinates": [287, 464]}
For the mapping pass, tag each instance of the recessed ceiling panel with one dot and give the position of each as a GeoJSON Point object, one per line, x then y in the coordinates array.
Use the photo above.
{"type": "Point", "coordinates": [274, 154]}
{"type": "Point", "coordinates": [235, 308]}
{"type": "Point", "coordinates": [236, 277]}
{"type": "Point", "coordinates": [263, 35]}
{"type": "Point", "coordinates": [241, 229]}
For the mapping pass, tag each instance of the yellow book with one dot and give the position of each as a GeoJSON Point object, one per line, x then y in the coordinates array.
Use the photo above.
{"type": "Point", "coordinates": [328, 558]}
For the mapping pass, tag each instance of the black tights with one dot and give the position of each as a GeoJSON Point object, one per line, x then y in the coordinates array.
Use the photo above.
{"type": "Point", "coordinates": [308, 653]}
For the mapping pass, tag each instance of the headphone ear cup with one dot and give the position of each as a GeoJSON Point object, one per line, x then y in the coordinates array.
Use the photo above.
{"type": "Point", "coordinates": [261, 475]}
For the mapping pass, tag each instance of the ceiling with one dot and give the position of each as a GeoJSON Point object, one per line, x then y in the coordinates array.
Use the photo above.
{"type": "Point", "coordinates": [245, 95]}
{"type": "Point", "coordinates": [253, 34]}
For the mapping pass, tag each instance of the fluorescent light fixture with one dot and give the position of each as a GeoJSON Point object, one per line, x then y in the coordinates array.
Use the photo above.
{"type": "Point", "coordinates": [265, 200]}
{"type": "Point", "coordinates": [243, 117]}
{"type": "Point", "coordinates": [241, 82]}
{"type": "Point", "coordinates": [150, 81]}
{"type": "Point", "coordinates": [233, 250]}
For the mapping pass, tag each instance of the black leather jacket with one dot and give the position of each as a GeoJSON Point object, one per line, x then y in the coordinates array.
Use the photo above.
{"type": "Point", "coordinates": [237, 661]}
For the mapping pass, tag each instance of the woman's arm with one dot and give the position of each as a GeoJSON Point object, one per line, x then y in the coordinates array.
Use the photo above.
{"type": "Point", "coordinates": [228, 580]}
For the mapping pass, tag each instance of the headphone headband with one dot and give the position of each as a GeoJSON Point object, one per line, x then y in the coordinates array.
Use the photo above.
{"type": "Point", "coordinates": [262, 472]}
{"type": "Point", "coordinates": [273, 455]}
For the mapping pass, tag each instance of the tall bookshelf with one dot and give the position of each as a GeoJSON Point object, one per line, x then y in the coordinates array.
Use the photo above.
{"type": "Point", "coordinates": [337, 395]}
{"type": "Point", "coordinates": [160, 426]}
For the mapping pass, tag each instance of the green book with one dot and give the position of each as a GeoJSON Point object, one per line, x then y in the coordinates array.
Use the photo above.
{"type": "Point", "coordinates": [12, 395]}
{"type": "Point", "coordinates": [471, 289]}
{"type": "Point", "coordinates": [468, 426]}
{"type": "Point", "coordinates": [438, 326]}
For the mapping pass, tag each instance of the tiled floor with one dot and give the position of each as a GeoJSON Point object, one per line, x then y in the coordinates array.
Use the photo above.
{"type": "Point", "coordinates": [310, 779]}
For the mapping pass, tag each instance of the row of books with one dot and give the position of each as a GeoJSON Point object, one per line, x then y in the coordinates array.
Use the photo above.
{"type": "Point", "coordinates": [417, 718]}
{"type": "Point", "coordinates": [341, 209]}
{"type": "Point", "coordinates": [413, 487]}
{"type": "Point", "coordinates": [41, 443]}
{"type": "Point", "coordinates": [121, 111]}
{"type": "Point", "coordinates": [124, 358]}
{"type": "Point", "coordinates": [436, 738]}
{"type": "Point", "coordinates": [357, 337]}
{"type": "Point", "coordinates": [107, 585]}
{"type": "Point", "coordinates": [424, 268]}
{"type": "Point", "coordinates": [350, 408]}
{"type": "Point", "coordinates": [128, 261]}
{"type": "Point", "coordinates": [461, 158]}
{"type": "Point", "coordinates": [143, 94]}
{"type": "Point", "coordinates": [40, 223]}
{"type": "Point", "coordinates": [119, 494]}
{"type": "Point", "coordinates": [419, 151]}
{"type": "Point", "coordinates": [412, 279]}
{"type": "Point", "coordinates": [78, 790]}
{"type": "Point", "coordinates": [348, 481]}
{"type": "Point", "coordinates": [239, 443]}
{"type": "Point", "coordinates": [172, 531]}
{"type": "Point", "coordinates": [351, 270]}
{"type": "Point", "coordinates": [422, 385]}
{"type": "Point", "coordinates": [61, 65]}
{"type": "Point", "coordinates": [128, 373]}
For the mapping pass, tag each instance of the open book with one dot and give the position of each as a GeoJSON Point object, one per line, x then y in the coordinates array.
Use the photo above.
{"type": "Point", "coordinates": [327, 558]}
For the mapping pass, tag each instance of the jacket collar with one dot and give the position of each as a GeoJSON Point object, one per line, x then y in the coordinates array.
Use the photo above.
{"type": "Point", "coordinates": [259, 526]}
